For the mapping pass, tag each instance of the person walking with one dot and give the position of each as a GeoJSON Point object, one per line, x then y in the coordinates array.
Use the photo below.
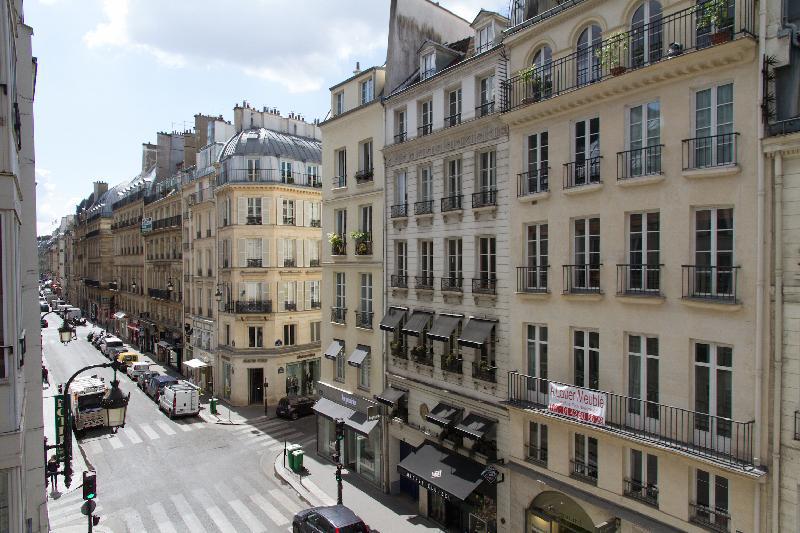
{"type": "Point", "coordinates": [52, 472]}
{"type": "Point", "coordinates": [45, 375]}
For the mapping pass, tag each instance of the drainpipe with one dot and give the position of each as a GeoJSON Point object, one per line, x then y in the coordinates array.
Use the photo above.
{"type": "Point", "coordinates": [778, 345]}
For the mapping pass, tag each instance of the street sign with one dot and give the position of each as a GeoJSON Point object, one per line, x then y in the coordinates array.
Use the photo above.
{"type": "Point", "coordinates": [61, 418]}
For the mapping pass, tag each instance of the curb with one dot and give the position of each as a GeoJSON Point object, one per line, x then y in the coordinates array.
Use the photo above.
{"type": "Point", "coordinates": [314, 498]}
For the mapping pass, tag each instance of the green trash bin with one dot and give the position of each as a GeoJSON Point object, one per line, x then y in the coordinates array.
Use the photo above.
{"type": "Point", "coordinates": [298, 460]}
{"type": "Point", "coordinates": [290, 449]}
{"type": "Point", "coordinates": [213, 405]}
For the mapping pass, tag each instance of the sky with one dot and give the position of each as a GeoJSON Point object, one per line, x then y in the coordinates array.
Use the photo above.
{"type": "Point", "coordinates": [113, 73]}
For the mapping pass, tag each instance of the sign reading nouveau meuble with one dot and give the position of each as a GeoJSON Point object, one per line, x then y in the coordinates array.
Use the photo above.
{"type": "Point", "coordinates": [574, 402]}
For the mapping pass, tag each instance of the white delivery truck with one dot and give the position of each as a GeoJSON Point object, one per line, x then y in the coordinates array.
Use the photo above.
{"type": "Point", "coordinates": [73, 313]}
{"type": "Point", "coordinates": [180, 399]}
{"type": "Point", "coordinates": [85, 397]}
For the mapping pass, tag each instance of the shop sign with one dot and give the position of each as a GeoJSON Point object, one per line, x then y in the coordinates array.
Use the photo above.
{"type": "Point", "coordinates": [60, 425]}
{"type": "Point", "coordinates": [425, 484]}
{"type": "Point", "coordinates": [362, 405]}
{"type": "Point", "coordinates": [491, 475]}
{"type": "Point", "coordinates": [306, 355]}
{"type": "Point", "coordinates": [575, 402]}
{"type": "Point", "coordinates": [147, 225]}
{"type": "Point", "coordinates": [253, 360]}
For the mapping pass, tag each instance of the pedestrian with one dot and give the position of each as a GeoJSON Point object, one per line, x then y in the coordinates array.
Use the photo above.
{"type": "Point", "coordinates": [45, 375]}
{"type": "Point", "coordinates": [52, 471]}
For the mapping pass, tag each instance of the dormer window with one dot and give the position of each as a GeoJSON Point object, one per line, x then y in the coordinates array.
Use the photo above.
{"type": "Point", "coordinates": [484, 39]}
{"type": "Point", "coordinates": [367, 91]}
{"type": "Point", "coordinates": [428, 68]}
{"type": "Point", "coordinates": [338, 103]}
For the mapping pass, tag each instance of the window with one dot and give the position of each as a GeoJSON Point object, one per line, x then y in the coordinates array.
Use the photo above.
{"type": "Point", "coordinates": [401, 262]}
{"type": "Point", "coordinates": [543, 76]}
{"type": "Point", "coordinates": [312, 294]}
{"type": "Point", "coordinates": [537, 363]}
{"type": "Point", "coordinates": [453, 179]}
{"type": "Point", "coordinates": [366, 294]}
{"type": "Point", "coordinates": [485, 39]}
{"type": "Point", "coordinates": [586, 253]}
{"type": "Point", "coordinates": [5, 499]}
{"type": "Point", "coordinates": [713, 115]}
{"type": "Point", "coordinates": [425, 185]}
{"type": "Point", "coordinates": [487, 162]}
{"type": "Point", "coordinates": [644, 139]}
{"type": "Point", "coordinates": [428, 66]}
{"type": "Point", "coordinates": [455, 266]}
{"type": "Point", "coordinates": [426, 262]}
{"type": "Point", "coordinates": [589, 45]}
{"type": "Point", "coordinates": [341, 167]}
{"type": "Point", "coordinates": [315, 331]}
{"type": "Point", "coordinates": [366, 156]}
{"type": "Point", "coordinates": [643, 376]}
{"type": "Point", "coordinates": [367, 91]}
{"type": "Point", "coordinates": [711, 497]}
{"type": "Point", "coordinates": [587, 152]}
{"type": "Point", "coordinates": [312, 174]}
{"type": "Point", "coordinates": [341, 279]}
{"type": "Point", "coordinates": [400, 126]}
{"type": "Point", "coordinates": [286, 172]}
{"type": "Point", "coordinates": [289, 338]}
{"type": "Point", "coordinates": [713, 255]}
{"type": "Point", "coordinates": [253, 252]}
{"type": "Point", "coordinates": [585, 461]}
{"type": "Point", "coordinates": [254, 211]}
{"type": "Point", "coordinates": [644, 242]}
{"type": "Point", "coordinates": [253, 166]}
{"type": "Point", "coordinates": [287, 295]}
{"type": "Point", "coordinates": [255, 337]}
{"type": "Point", "coordinates": [487, 259]}
{"type": "Point", "coordinates": [643, 472]}
{"type": "Point", "coordinates": [227, 334]}
{"type": "Point", "coordinates": [537, 257]}
{"type": "Point", "coordinates": [537, 442]}
{"type": "Point", "coordinates": [288, 212]}
{"type": "Point", "coordinates": [340, 222]}
{"type": "Point", "coordinates": [400, 189]}
{"type": "Point", "coordinates": [363, 373]}
{"type": "Point", "coordinates": [365, 220]}
{"type": "Point", "coordinates": [538, 158]}
{"type": "Point", "coordinates": [426, 117]}
{"type": "Point", "coordinates": [338, 103]}
{"type": "Point", "coordinates": [586, 351]}
{"type": "Point", "coordinates": [340, 363]}
{"type": "Point", "coordinates": [646, 33]}
{"type": "Point", "coordinates": [713, 389]}
{"type": "Point", "coordinates": [486, 96]}
{"type": "Point", "coordinates": [454, 107]}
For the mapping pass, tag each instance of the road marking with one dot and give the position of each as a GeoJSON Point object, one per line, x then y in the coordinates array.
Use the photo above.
{"type": "Point", "coordinates": [186, 513]}
{"type": "Point", "coordinates": [165, 427]}
{"type": "Point", "coordinates": [147, 430]}
{"type": "Point", "coordinates": [247, 517]}
{"type": "Point", "coordinates": [161, 518]}
{"type": "Point", "coordinates": [185, 427]}
{"type": "Point", "coordinates": [115, 442]}
{"type": "Point", "coordinates": [213, 511]}
{"type": "Point", "coordinates": [133, 521]}
{"type": "Point", "coordinates": [93, 447]}
{"type": "Point", "coordinates": [281, 498]}
{"type": "Point", "coordinates": [270, 510]}
{"type": "Point", "coordinates": [132, 435]}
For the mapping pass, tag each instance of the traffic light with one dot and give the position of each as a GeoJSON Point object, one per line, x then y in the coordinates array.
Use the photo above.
{"type": "Point", "coordinates": [89, 485]}
{"type": "Point", "coordinates": [335, 457]}
{"type": "Point", "coordinates": [338, 476]}
{"type": "Point", "coordinates": [339, 429]}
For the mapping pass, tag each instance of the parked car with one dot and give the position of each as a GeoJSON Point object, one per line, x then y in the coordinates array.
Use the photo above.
{"type": "Point", "coordinates": [333, 518]}
{"type": "Point", "coordinates": [110, 342]}
{"type": "Point", "coordinates": [126, 359]}
{"type": "Point", "coordinates": [296, 406]}
{"type": "Point", "coordinates": [97, 339]}
{"type": "Point", "coordinates": [136, 369]}
{"type": "Point", "coordinates": [113, 352]}
{"type": "Point", "coordinates": [44, 307]}
{"type": "Point", "coordinates": [180, 399]}
{"type": "Point", "coordinates": [43, 323]}
{"type": "Point", "coordinates": [144, 378]}
{"type": "Point", "coordinates": [157, 383]}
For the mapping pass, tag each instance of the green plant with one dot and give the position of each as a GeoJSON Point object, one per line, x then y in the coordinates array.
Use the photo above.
{"type": "Point", "coordinates": [335, 239]}
{"type": "Point", "coordinates": [361, 235]}
{"type": "Point", "coordinates": [713, 13]}
{"type": "Point", "coordinates": [611, 52]}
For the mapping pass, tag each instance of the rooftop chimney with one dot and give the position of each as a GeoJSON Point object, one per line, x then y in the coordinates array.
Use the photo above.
{"type": "Point", "coordinates": [100, 188]}
{"type": "Point", "coordinates": [358, 68]}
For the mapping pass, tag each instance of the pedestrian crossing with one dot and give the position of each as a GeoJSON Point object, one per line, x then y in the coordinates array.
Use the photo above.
{"type": "Point", "coordinates": [241, 503]}
{"type": "Point", "coordinates": [271, 434]}
{"type": "Point", "coordinates": [137, 434]}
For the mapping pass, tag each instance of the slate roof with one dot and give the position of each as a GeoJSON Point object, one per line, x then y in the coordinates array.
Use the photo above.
{"type": "Point", "coordinates": [261, 141]}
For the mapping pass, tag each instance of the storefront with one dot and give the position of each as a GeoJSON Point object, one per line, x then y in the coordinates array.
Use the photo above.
{"type": "Point", "coordinates": [131, 333]}
{"type": "Point", "coordinates": [198, 373]}
{"type": "Point", "coordinates": [120, 324]}
{"type": "Point", "coordinates": [554, 512]}
{"type": "Point", "coordinates": [361, 450]}
{"type": "Point", "coordinates": [302, 377]}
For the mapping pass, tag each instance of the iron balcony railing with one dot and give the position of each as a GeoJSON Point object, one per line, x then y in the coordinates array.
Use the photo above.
{"type": "Point", "coordinates": [339, 315]}
{"type": "Point", "coordinates": [249, 307]}
{"type": "Point", "coordinates": [252, 220]}
{"type": "Point", "coordinates": [399, 211]}
{"type": "Point", "coordinates": [715, 283]}
{"type": "Point", "coordinates": [484, 285]}
{"type": "Point", "coordinates": [290, 306]}
{"type": "Point", "coordinates": [532, 279]}
{"type": "Point", "coordinates": [452, 120]}
{"type": "Point", "coordinates": [485, 198]}
{"type": "Point", "coordinates": [645, 161]}
{"type": "Point", "coordinates": [398, 350]}
{"type": "Point", "coordinates": [313, 263]}
{"type": "Point", "coordinates": [484, 371]}
{"type": "Point", "coordinates": [662, 38]}
{"type": "Point", "coordinates": [422, 355]}
{"type": "Point", "coordinates": [268, 175]}
{"type": "Point", "coordinates": [289, 263]}
{"type": "Point", "coordinates": [364, 176]}
{"type": "Point", "coordinates": [534, 181]}
{"type": "Point", "coordinates": [339, 247]}
{"type": "Point", "coordinates": [639, 280]}
{"type": "Point", "coordinates": [643, 492]}
{"type": "Point", "coordinates": [423, 282]}
{"type": "Point", "coordinates": [288, 221]}
{"type": "Point", "coordinates": [315, 223]}
{"type": "Point", "coordinates": [453, 284]}
{"type": "Point", "coordinates": [713, 437]}
{"type": "Point", "coordinates": [364, 319]}
{"type": "Point", "coordinates": [398, 281]}
{"type": "Point", "coordinates": [339, 182]}
{"type": "Point", "coordinates": [169, 222]}
{"type": "Point", "coordinates": [316, 304]}
{"type": "Point", "coordinates": [159, 294]}
{"type": "Point", "coordinates": [486, 108]}
{"type": "Point", "coordinates": [582, 172]}
{"type": "Point", "coordinates": [452, 363]}
{"type": "Point", "coordinates": [255, 263]}
{"type": "Point", "coordinates": [400, 137]}
{"type": "Point", "coordinates": [425, 74]}
{"type": "Point", "coordinates": [711, 151]}
{"type": "Point", "coordinates": [425, 129]}
{"type": "Point", "coordinates": [581, 279]}
{"type": "Point", "coordinates": [424, 207]}
{"type": "Point", "coordinates": [364, 246]}
{"type": "Point", "coordinates": [452, 203]}
{"type": "Point", "coordinates": [710, 518]}
{"type": "Point", "coordinates": [583, 471]}
{"type": "Point", "coordinates": [784, 127]}
{"type": "Point", "coordinates": [536, 454]}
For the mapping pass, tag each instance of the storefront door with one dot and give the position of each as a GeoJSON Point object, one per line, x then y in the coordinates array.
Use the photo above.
{"type": "Point", "coordinates": [406, 485]}
{"type": "Point", "coordinates": [256, 381]}
{"type": "Point", "coordinates": [301, 378]}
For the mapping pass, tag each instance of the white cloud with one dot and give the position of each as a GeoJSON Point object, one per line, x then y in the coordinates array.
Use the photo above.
{"type": "Point", "coordinates": [51, 204]}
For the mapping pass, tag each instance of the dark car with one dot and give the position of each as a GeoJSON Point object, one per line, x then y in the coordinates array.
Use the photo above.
{"type": "Point", "coordinates": [156, 384]}
{"type": "Point", "coordinates": [295, 407]}
{"type": "Point", "coordinates": [327, 520]}
{"type": "Point", "coordinates": [144, 377]}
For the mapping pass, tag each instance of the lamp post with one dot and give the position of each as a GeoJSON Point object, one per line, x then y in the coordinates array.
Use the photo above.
{"type": "Point", "coordinates": [66, 332]}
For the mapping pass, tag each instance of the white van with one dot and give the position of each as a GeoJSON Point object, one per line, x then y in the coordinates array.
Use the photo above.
{"type": "Point", "coordinates": [73, 313]}
{"type": "Point", "coordinates": [180, 399]}
{"type": "Point", "coordinates": [110, 342]}
{"type": "Point", "coordinates": [136, 369]}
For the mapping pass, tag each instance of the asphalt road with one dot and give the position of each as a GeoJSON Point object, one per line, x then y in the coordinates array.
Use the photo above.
{"type": "Point", "coordinates": [160, 475]}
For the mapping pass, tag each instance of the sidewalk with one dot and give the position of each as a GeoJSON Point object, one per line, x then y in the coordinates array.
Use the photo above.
{"type": "Point", "coordinates": [318, 487]}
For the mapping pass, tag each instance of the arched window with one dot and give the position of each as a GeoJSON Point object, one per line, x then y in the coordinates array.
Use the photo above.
{"type": "Point", "coordinates": [647, 39]}
{"type": "Point", "coordinates": [542, 65]}
{"type": "Point", "coordinates": [589, 43]}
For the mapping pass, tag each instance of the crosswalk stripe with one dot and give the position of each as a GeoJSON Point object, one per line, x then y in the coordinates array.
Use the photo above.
{"type": "Point", "coordinates": [185, 427]}
{"type": "Point", "coordinates": [185, 511]}
{"type": "Point", "coordinates": [165, 427]}
{"type": "Point", "coordinates": [147, 430]}
{"type": "Point", "coordinates": [281, 498]}
{"type": "Point", "coordinates": [93, 447]}
{"type": "Point", "coordinates": [213, 511]}
{"type": "Point", "coordinates": [115, 442]}
{"type": "Point", "coordinates": [269, 509]}
{"type": "Point", "coordinates": [132, 435]}
{"type": "Point", "coordinates": [133, 521]}
{"type": "Point", "coordinates": [160, 516]}
{"type": "Point", "coordinates": [247, 517]}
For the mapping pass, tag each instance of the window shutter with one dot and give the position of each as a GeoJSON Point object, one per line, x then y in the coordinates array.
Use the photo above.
{"type": "Point", "coordinates": [308, 295]}
{"type": "Point", "coordinates": [299, 219]}
{"type": "Point", "coordinates": [242, 219]}
{"type": "Point", "coordinates": [241, 248]}
{"type": "Point", "coordinates": [241, 293]}
{"type": "Point", "coordinates": [265, 210]}
{"type": "Point", "coordinates": [298, 252]}
{"type": "Point", "coordinates": [220, 251]}
{"type": "Point", "coordinates": [280, 252]}
{"type": "Point", "coordinates": [282, 295]}
{"type": "Point", "coordinates": [298, 295]}
{"type": "Point", "coordinates": [265, 253]}
{"type": "Point", "coordinates": [309, 213]}
{"type": "Point", "coordinates": [279, 211]}
{"type": "Point", "coordinates": [306, 253]}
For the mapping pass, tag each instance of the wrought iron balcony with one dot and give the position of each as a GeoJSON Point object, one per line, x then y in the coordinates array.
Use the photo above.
{"type": "Point", "coordinates": [536, 455]}
{"type": "Point", "coordinates": [315, 223]}
{"type": "Point", "coordinates": [364, 246]}
{"type": "Point", "coordinates": [453, 284]}
{"type": "Point", "coordinates": [339, 182]}
{"type": "Point", "coordinates": [533, 182]}
{"type": "Point", "coordinates": [709, 152]}
{"type": "Point", "coordinates": [639, 280]}
{"type": "Point", "coordinates": [313, 263]}
{"type": "Point", "coordinates": [400, 137]}
{"type": "Point", "coordinates": [582, 172]}
{"type": "Point", "coordinates": [254, 263]}
{"type": "Point", "coordinates": [645, 161]}
{"type": "Point", "coordinates": [289, 263]}
{"type": "Point", "coordinates": [425, 129]}
{"type": "Point", "coordinates": [583, 471]}
{"type": "Point", "coordinates": [452, 120]}
{"type": "Point", "coordinates": [710, 518]}
{"type": "Point", "coordinates": [267, 175]}
{"type": "Point", "coordinates": [484, 285]}
{"type": "Point", "coordinates": [398, 349]}
{"type": "Point", "coordinates": [316, 304]}
{"type": "Point", "coordinates": [452, 203]}
{"type": "Point", "coordinates": [484, 109]}
{"type": "Point", "coordinates": [711, 283]}
{"type": "Point", "coordinates": [364, 319]}
{"type": "Point", "coordinates": [364, 176]}
{"type": "Point", "coordinates": [452, 363]}
{"type": "Point", "coordinates": [643, 492]}
{"type": "Point", "coordinates": [425, 207]}
{"type": "Point", "coordinates": [398, 282]}
{"type": "Point", "coordinates": [249, 307]}
{"type": "Point", "coordinates": [252, 220]}
{"type": "Point", "coordinates": [712, 437]}
{"type": "Point", "coordinates": [532, 279]}
{"type": "Point", "coordinates": [339, 315]}
{"type": "Point", "coordinates": [486, 198]}
{"type": "Point", "coordinates": [582, 279]}
{"type": "Point", "coordinates": [288, 221]}
{"type": "Point", "coordinates": [290, 306]}
{"type": "Point", "coordinates": [339, 247]}
{"type": "Point", "coordinates": [423, 282]}
{"type": "Point", "coordinates": [159, 294]}
{"type": "Point", "coordinates": [484, 371]}
{"type": "Point", "coordinates": [399, 211]}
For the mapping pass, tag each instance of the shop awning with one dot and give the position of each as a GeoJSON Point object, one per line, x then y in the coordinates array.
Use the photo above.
{"type": "Point", "coordinates": [392, 319]}
{"type": "Point", "coordinates": [360, 423]}
{"type": "Point", "coordinates": [356, 421]}
{"type": "Point", "coordinates": [417, 323]}
{"type": "Point", "coordinates": [476, 333]}
{"type": "Point", "coordinates": [443, 414]}
{"type": "Point", "coordinates": [475, 426]}
{"type": "Point", "coordinates": [119, 315]}
{"type": "Point", "coordinates": [390, 396]}
{"type": "Point", "coordinates": [359, 354]}
{"type": "Point", "coordinates": [443, 327]}
{"type": "Point", "coordinates": [455, 476]}
{"type": "Point", "coordinates": [333, 350]}
{"type": "Point", "coordinates": [195, 363]}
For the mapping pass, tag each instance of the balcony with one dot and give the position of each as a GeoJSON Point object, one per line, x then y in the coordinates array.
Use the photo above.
{"type": "Point", "coordinates": [252, 220]}
{"type": "Point", "coordinates": [487, 108]}
{"type": "Point", "coordinates": [364, 246]}
{"type": "Point", "coordinates": [646, 493]}
{"type": "Point", "coordinates": [452, 120]}
{"type": "Point", "coordinates": [581, 279]}
{"type": "Point", "coordinates": [452, 363]}
{"type": "Point", "coordinates": [338, 245]}
{"type": "Point", "coordinates": [484, 285]}
{"type": "Point", "coordinates": [313, 263]}
{"type": "Point", "coordinates": [536, 455]}
{"type": "Point", "coordinates": [268, 175]}
{"type": "Point", "coordinates": [452, 284]}
{"type": "Point", "coordinates": [582, 172]}
{"type": "Point", "coordinates": [290, 306]}
{"type": "Point", "coordinates": [339, 315]}
{"type": "Point", "coordinates": [316, 304]}
{"type": "Point", "coordinates": [533, 182]}
{"type": "Point", "coordinates": [159, 294]}
{"type": "Point", "coordinates": [710, 152]}
{"type": "Point", "coordinates": [198, 233]}
{"type": "Point", "coordinates": [289, 263]}
{"type": "Point", "coordinates": [422, 355]}
{"type": "Point", "coordinates": [398, 282]}
{"type": "Point", "coordinates": [364, 319]}
{"type": "Point", "coordinates": [710, 283]}
{"type": "Point", "coordinates": [582, 471]}
{"type": "Point", "coordinates": [245, 307]}
{"type": "Point", "coordinates": [400, 137]}
{"type": "Point", "coordinates": [398, 349]}
{"type": "Point", "coordinates": [364, 176]}
{"type": "Point", "coordinates": [339, 182]}
{"type": "Point", "coordinates": [288, 221]}
{"type": "Point", "coordinates": [484, 372]}
{"type": "Point", "coordinates": [452, 203]}
{"type": "Point", "coordinates": [399, 211]}
{"type": "Point", "coordinates": [425, 207]}
{"type": "Point", "coordinates": [424, 282]}
{"type": "Point", "coordinates": [640, 162]}
{"type": "Point", "coordinates": [484, 198]}
{"type": "Point", "coordinates": [425, 129]}
{"type": "Point", "coordinates": [532, 279]}
{"type": "Point", "coordinates": [710, 518]}
{"type": "Point", "coordinates": [166, 223]}
{"type": "Point", "coordinates": [639, 280]}
{"type": "Point", "coordinates": [254, 263]}
{"type": "Point", "coordinates": [716, 438]}
{"type": "Point", "coordinates": [315, 223]}
{"type": "Point", "coordinates": [665, 37]}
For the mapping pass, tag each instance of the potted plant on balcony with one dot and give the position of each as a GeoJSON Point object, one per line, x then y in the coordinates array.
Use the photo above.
{"type": "Point", "coordinates": [532, 85]}
{"type": "Point", "coordinates": [714, 16]}
{"type": "Point", "coordinates": [337, 243]}
{"type": "Point", "coordinates": [362, 239]}
{"type": "Point", "coordinates": [612, 53]}
{"type": "Point", "coordinates": [419, 352]}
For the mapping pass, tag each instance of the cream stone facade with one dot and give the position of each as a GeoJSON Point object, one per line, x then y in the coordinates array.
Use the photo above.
{"type": "Point", "coordinates": [352, 264]}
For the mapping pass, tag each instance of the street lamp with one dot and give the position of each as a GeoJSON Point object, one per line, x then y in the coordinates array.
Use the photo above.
{"type": "Point", "coordinates": [170, 286]}
{"type": "Point", "coordinates": [133, 286]}
{"type": "Point", "coordinates": [66, 333]}
{"type": "Point", "coordinates": [218, 295]}
{"type": "Point", "coordinates": [115, 403]}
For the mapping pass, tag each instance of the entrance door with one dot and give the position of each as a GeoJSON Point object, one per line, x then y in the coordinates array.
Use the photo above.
{"type": "Point", "coordinates": [406, 485]}
{"type": "Point", "coordinates": [256, 380]}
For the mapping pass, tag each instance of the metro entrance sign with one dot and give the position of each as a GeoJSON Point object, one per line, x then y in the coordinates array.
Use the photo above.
{"type": "Point", "coordinates": [61, 419]}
